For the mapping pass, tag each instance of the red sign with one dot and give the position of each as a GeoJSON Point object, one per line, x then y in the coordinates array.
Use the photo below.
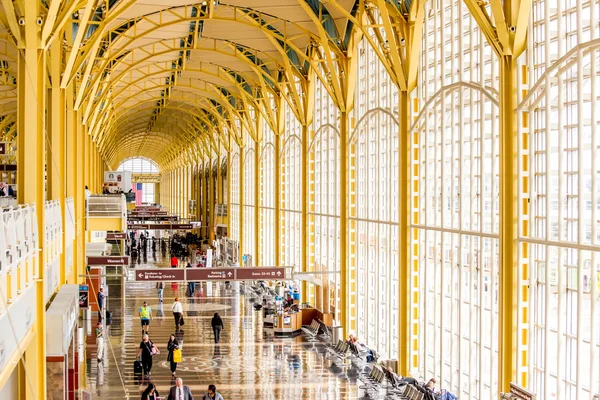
{"type": "Point", "coordinates": [108, 260]}
{"type": "Point", "coordinates": [159, 226]}
{"type": "Point", "coordinates": [162, 274]}
{"type": "Point", "coordinates": [116, 236]}
{"type": "Point", "coordinates": [260, 274]}
{"type": "Point", "coordinates": [210, 274]}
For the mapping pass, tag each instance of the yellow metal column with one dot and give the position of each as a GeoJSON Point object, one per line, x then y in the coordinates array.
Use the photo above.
{"type": "Point", "coordinates": [304, 199]}
{"type": "Point", "coordinates": [257, 189]}
{"type": "Point", "coordinates": [206, 191]}
{"type": "Point", "coordinates": [404, 274]}
{"type": "Point", "coordinates": [56, 154]}
{"type": "Point", "coordinates": [86, 158]}
{"type": "Point", "coordinates": [31, 108]}
{"type": "Point", "coordinates": [72, 166]}
{"type": "Point", "coordinates": [80, 194]}
{"type": "Point", "coordinates": [277, 192]}
{"type": "Point", "coordinates": [229, 193]}
{"type": "Point", "coordinates": [277, 201]}
{"type": "Point", "coordinates": [211, 202]}
{"type": "Point", "coordinates": [241, 205]}
{"type": "Point", "coordinates": [508, 253]}
{"type": "Point", "coordinates": [343, 312]}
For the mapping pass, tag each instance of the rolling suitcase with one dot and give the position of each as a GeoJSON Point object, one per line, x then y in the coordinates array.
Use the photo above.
{"type": "Point", "coordinates": [137, 367]}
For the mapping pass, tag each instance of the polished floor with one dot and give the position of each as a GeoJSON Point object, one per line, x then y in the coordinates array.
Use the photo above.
{"type": "Point", "coordinates": [249, 363]}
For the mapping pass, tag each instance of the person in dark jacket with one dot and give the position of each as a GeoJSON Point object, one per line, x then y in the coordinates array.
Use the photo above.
{"type": "Point", "coordinates": [150, 393]}
{"type": "Point", "coordinates": [172, 346]}
{"type": "Point", "coordinates": [217, 325]}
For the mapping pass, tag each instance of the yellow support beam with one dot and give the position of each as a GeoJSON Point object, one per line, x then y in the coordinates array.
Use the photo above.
{"type": "Point", "coordinates": [31, 108]}
{"type": "Point", "coordinates": [57, 151]}
{"type": "Point", "coordinates": [509, 232]}
{"type": "Point", "coordinates": [242, 161]}
{"type": "Point", "coordinates": [257, 190]}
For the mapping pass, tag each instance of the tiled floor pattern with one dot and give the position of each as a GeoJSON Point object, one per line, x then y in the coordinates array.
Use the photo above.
{"type": "Point", "coordinates": [249, 363]}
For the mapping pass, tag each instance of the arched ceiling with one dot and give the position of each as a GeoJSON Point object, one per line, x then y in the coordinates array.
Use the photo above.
{"type": "Point", "coordinates": [158, 80]}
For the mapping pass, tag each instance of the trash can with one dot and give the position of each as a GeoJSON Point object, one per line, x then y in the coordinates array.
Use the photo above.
{"type": "Point", "coordinates": [279, 290]}
{"type": "Point", "coordinates": [87, 313]}
{"type": "Point", "coordinates": [337, 334]}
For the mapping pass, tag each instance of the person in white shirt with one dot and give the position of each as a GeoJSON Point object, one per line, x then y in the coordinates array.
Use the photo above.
{"type": "Point", "coordinates": [180, 392]}
{"type": "Point", "coordinates": [88, 193]}
{"type": "Point", "coordinates": [177, 313]}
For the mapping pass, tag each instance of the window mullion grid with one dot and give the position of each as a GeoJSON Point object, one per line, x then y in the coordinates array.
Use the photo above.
{"type": "Point", "coordinates": [595, 340]}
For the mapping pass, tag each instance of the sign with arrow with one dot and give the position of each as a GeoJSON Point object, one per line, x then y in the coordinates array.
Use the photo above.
{"type": "Point", "coordinates": [210, 274]}
{"type": "Point", "coordinates": [260, 274]}
{"type": "Point", "coordinates": [154, 227]}
{"type": "Point", "coordinates": [159, 274]}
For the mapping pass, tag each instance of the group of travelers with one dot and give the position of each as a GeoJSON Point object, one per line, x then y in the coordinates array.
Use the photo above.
{"type": "Point", "coordinates": [180, 392]}
{"type": "Point", "coordinates": [6, 190]}
{"type": "Point", "coordinates": [147, 350]}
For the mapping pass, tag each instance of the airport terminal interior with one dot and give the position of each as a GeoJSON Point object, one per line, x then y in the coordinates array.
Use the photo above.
{"type": "Point", "coordinates": [300, 199]}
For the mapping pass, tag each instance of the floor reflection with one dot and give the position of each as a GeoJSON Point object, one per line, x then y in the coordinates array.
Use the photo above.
{"type": "Point", "coordinates": [249, 362]}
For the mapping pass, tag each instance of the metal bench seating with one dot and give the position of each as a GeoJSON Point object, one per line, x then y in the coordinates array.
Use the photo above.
{"type": "Point", "coordinates": [324, 328]}
{"type": "Point", "coordinates": [312, 330]}
{"type": "Point", "coordinates": [372, 381]}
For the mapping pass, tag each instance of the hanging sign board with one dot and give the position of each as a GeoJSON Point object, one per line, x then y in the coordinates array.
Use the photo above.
{"type": "Point", "coordinates": [210, 274]}
{"type": "Point", "coordinates": [3, 147]}
{"type": "Point", "coordinates": [160, 274]}
{"type": "Point", "coordinates": [116, 236]}
{"type": "Point", "coordinates": [155, 227]}
{"type": "Point", "coordinates": [260, 274]}
{"type": "Point", "coordinates": [108, 260]}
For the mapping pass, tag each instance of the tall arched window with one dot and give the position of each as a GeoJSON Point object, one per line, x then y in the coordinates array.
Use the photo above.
{"type": "Point", "coordinates": [142, 165]}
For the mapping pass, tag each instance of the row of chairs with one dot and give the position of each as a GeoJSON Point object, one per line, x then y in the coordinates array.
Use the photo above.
{"type": "Point", "coordinates": [398, 388]}
{"type": "Point", "coordinates": [312, 330]}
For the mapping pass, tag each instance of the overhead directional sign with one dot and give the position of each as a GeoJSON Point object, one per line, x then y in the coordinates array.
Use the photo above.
{"type": "Point", "coordinates": [160, 274]}
{"type": "Point", "coordinates": [211, 274]}
{"type": "Point", "coordinates": [116, 236]}
{"type": "Point", "coordinates": [2, 148]}
{"type": "Point", "coordinates": [148, 213]}
{"type": "Point", "coordinates": [260, 274]}
{"type": "Point", "coordinates": [108, 260]}
{"type": "Point", "coordinates": [148, 217]}
{"type": "Point", "coordinates": [154, 227]}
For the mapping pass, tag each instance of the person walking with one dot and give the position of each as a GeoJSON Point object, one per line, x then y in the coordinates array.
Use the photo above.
{"type": "Point", "coordinates": [177, 313]}
{"type": "Point", "coordinates": [191, 284]}
{"type": "Point", "coordinates": [145, 352]}
{"type": "Point", "coordinates": [145, 316]}
{"type": "Point", "coordinates": [174, 262]}
{"type": "Point", "coordinates": [212, 394]}
{"type": "Point", "coordinates": [100, 341]}
{"type": "Point", "coordinates": [161, 287]}
{"type": "Point", "coordinates": [150, 393]}
{"type": "Point", "coordinates": [217, 325]}
{"type": "Point", "coordinates": [101, 297]}
{"type": "Point", "coordinates": [172, 346]}
{"type": "Point", "coordinates": [180, 391]}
